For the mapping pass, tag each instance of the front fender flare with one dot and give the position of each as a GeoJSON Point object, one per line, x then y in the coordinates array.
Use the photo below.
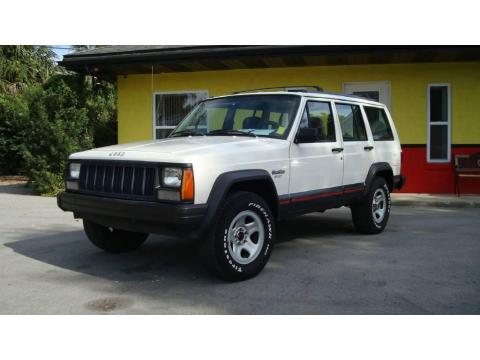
{"type": "Point", "coordinates": [222, 186]}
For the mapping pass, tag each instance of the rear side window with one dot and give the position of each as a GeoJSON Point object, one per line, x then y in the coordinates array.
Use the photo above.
{"type": "Point", "coordinates": [318, 115]}
{"type": "Point", "coordinates": [379, 124]}
{"type": "Point", "coordinates": [351, 122]}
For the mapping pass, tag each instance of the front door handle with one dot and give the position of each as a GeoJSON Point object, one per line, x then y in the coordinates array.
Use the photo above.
{"type": "Point", "coordinates": [337, 150]}
{"type": "Point", "coordinates": [368, 148]}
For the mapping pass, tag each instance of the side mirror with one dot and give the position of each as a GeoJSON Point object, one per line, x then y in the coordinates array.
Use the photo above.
{"type": "Point", "coordinates": [306, 135]}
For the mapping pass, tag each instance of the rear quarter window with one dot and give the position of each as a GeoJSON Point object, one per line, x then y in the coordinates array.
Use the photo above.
{"type": "Point", "coordinates": [379, 124]}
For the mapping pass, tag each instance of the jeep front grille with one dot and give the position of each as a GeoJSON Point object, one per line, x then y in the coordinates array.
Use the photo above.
{"type": "Point", "coordinates": [128, 180]}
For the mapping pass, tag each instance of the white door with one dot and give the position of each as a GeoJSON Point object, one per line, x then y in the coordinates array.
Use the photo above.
{"type": "Point", "coordinates": [373, 90]}
{"type": "Point", "coordinates": [358, 149]}
{"type": "Point", "coordinates": [316, 169]}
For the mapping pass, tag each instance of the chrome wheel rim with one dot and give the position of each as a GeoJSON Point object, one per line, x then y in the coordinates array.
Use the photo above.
{"type": "Point", "coordinates": [245, 236]}
{"type": "Point", "coordinates": [379, 205]}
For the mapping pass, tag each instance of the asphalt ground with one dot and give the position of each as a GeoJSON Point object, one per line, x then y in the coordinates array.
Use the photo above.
{"type": "Point", "coordinates": [427, 261]}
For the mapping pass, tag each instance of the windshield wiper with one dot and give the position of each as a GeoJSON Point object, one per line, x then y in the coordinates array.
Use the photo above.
{"type": "Point", "coordinates": [231, 132]}
{"type": "Point", "coordinates": [188, 133]}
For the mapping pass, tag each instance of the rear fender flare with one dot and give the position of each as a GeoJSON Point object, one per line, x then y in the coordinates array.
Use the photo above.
{"type": "Point", "coordinates": [374, 170]}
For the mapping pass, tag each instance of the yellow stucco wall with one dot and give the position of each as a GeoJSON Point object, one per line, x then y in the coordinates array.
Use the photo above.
{"type": "Point", "coordinates": [408, 93]}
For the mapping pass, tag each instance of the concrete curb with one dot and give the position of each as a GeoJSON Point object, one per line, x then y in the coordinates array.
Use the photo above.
{"type": "Point", "coordinates": [436, 201]}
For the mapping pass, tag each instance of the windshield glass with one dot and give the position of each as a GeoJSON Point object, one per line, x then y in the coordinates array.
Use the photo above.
{"type": "Point", "coordinates": [246, 115]}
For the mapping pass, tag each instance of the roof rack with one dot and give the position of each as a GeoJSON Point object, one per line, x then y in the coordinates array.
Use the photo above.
{"type": "Point", "coordinates": [293, 88]}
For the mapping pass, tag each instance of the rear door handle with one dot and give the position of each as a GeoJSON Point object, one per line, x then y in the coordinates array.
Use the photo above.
{"type": "Point", "coordinates": [368, 148]}
{"type": "Point", "coordinates": [337, 150]}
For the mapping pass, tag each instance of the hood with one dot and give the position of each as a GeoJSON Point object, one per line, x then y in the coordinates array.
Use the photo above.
{"type": "Point", "coordinates": [176, 145]}
{"type": "Point", "coordinates": [183, 149]}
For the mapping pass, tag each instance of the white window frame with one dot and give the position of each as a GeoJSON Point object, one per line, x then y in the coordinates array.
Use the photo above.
{"type": "Point", "coordinates": [373, 86]}
{"type": "Point", "coordinates": [154, 118]}
{"type": "Point", "coordinates": [433, 123]}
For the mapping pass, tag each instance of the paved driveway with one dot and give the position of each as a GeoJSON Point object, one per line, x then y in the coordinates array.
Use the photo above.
{"type": "Point", "coordinates": [426, 262]}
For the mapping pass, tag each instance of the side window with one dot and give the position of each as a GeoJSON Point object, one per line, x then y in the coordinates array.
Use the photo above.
{"type": "Point", "coordinates": [318, 115]}
{"type": "Point", "coordinates": [351, 122]}
{"type": "Point", "coordinates": [379, 124]}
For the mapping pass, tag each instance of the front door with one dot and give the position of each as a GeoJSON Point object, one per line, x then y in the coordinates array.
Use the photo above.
{"type": "Point", "coordinates": [373, 90]}
{"type": "Point", "coordinates": [316, 169]}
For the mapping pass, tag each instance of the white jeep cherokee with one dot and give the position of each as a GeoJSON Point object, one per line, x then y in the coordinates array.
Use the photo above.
{"type": "Point", "coordinates": [234, 167]}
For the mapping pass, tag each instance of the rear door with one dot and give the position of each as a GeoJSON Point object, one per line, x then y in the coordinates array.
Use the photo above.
{"type": "Point", "coordinates": [358, 149]}
{"type": "Point", "coordinates": [316, 169]}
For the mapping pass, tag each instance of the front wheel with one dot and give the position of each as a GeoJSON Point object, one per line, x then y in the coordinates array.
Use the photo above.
{"type": "Point", "coordinates": [240, 245]}
{"type": "Point", "coordinates": [371, 215]}
{"type": "Point", "coordinates": [113, 240]}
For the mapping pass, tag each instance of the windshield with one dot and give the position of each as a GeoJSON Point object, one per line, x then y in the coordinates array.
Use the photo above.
{"type": "Point", "coordinates": [246, 115]}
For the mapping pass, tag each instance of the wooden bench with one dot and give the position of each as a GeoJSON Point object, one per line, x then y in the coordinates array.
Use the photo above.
{"type": "Point", "coordinates": [466, 166]}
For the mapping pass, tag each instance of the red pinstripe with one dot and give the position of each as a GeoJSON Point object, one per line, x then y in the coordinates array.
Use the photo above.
{"type": "Point", "coordinates": [319, 196]}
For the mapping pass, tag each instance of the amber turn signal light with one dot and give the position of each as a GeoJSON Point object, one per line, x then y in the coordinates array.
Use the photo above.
{"type": "Point", "coordinates": [187, 192]}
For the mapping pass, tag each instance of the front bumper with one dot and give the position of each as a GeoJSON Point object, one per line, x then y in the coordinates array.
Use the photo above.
{"type": "Point", "coordinates": [134, 215]}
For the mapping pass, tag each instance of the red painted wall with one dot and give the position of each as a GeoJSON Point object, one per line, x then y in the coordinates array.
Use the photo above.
{"type": "Point", "coordinates": [423, 177]}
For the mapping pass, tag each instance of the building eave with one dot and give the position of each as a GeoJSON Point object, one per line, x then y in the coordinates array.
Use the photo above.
{"type": "Point", "coordinates": [120, 60]}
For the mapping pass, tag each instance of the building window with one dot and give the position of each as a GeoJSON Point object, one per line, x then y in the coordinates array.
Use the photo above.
{"type": "Point", "coordinates": [351, 122]}
{"type": "Point", "coordinates": [170, 108]}
{"type": "Point", "coordinates": [372, 90]}
{"type": "Point", "coordinates": [438, 118]}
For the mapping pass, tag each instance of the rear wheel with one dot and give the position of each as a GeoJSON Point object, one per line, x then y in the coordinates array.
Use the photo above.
{"type": "Point", "coordinates": [371, 215]}
{"type": "Point", "coordinates": [240, 245]}
{"type": "Point", "coordinates": [113, 240]}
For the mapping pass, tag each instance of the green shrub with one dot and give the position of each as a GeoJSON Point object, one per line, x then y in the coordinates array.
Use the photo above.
{"type": "Point", "coordinates": [41, 126]}
{"type": "Point", "coordinates": [57, 127]}
{"type": "Point", "coordinates": [13, 112]}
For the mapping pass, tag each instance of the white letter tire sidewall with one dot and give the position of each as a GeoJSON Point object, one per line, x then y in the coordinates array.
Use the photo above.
{"type": "Point", "coordinates": [226, 261]}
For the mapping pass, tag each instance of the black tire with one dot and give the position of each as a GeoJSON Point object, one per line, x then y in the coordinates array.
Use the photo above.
{"type": "Point", "coordinates": [362, 213]}
{"type": "Point", "coordinates": [113, 240]}
{"type": "Point", "coordinates": [216, 250]}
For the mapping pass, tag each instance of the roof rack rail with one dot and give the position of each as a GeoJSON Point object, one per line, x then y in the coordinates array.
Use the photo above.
{"type": "Point", "coordinates": [296, 88]}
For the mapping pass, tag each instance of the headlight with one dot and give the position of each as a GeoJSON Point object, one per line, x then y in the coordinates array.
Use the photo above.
{"type": "Point", "coordinates": [74, 170]}
{"type": "Point", "coordinates": [172, 177]}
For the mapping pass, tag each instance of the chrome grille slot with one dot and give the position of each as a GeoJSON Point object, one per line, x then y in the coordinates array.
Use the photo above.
{"type": "Point", "coordinates": [127, 180]}
{"type": "Point", "coordinates": [138, 181]}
